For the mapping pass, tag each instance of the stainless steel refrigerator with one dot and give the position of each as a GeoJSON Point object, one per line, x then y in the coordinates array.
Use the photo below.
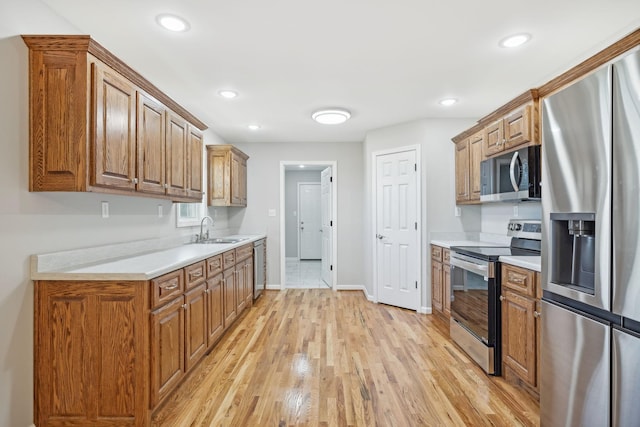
{"type": "Point", "coordinates": [590, 366]}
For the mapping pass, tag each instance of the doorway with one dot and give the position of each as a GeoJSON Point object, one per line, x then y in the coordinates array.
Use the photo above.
{"type": "Point", "coordinates": [308, 228]}
{"type": "Point", "coordinates": [396, 207]}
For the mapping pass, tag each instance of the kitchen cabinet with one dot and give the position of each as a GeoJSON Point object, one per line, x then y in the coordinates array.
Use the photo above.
{"type": "Point", "coordinates": [97, 125]}
{"type": "Point", "coordinates": [469, 154]}
{"type": "Point", "coordinates": [513, 130]}
{"type": "Point", "coordinates": [195, 151]}
{"type": "Point", "coordinates": [227, 176]}
{"type": "Point", "coordinates": [520, 325]}
{"type": "Point", "coordinates": [110, 352]}
{"type": "Point", "coordinates": [440, 280]}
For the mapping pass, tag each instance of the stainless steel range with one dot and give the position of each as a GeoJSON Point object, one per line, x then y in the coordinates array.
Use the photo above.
{"type": "Point", "coordinates": [475, 292]}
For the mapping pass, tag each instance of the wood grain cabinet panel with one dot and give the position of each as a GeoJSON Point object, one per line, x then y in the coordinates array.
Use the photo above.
{"type": "Point", "coordinates": [167, 287]}
{"type": "Point", "coordinates": [248, 284]}
{"type": "Point", "coordinates": [89, 339]}
{"type": "Point", "coordinates": [519, 279]}
{"type": "Point", "coordinates": [227, 176]}
{"type": "Point", "coordinates": [519, 335]}
{"type": "Point", "coordinates": [151, 145]}
{"type": "Point", "coordinates": [195, 274]}
{"type": "Point", "coordinates": [214, 266]}
{"type": "Point", "coordinates": [241, 279]}
{"type": "Point", "coordinates": [446, 283]}
{"type": "Point", "coordinates": [97, 125]}
{"type": "Point", "coordinates": [195, 325]}
{"type": "Point", "coordinates": [494, 138]}
{"type": "Point", "coordinates": [167, 349]}
{"type": "Point", "coordinates": [462, 171]}
{"type": "Point", "coordinates": [436, 285]}
{"type": "Point", "coordinates": [215, 304]}
{"type": "Point", "coordinates": [229, 290]}
{"type": "Point", "coordinates": [476, 155]}
{"type": "Point", "coordinates": [518, 128]}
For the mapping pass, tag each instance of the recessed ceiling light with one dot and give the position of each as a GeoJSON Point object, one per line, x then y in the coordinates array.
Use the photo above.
{"type": "Point", "coordinates": [448, 101]}
{"type": "Point", "coordinates": [301, 166]}
{"type": "Point", "coordinates": [172, 23]}
{"type": "Point", "coordinates": [253, 127]}
{"type": "Point", "coordinates": [332, 116]}
{"type": "Point", "coordinates": [515, 40]}
{"type": "Point", "coordinates": [229, 94]}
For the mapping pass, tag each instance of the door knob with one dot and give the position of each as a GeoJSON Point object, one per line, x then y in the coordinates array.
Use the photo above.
{"type": "Point", "coordinates": [380, 236]}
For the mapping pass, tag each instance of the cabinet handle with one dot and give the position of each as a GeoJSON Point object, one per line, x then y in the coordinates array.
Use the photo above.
{"type": "Point", "coordinates": [166, 186]}
{"type": "Point", "coordinates": [501, 298]}
{"type": "Point", "coordinates": [515, 279]}
{"type": "Point", "coordinates": [184, 306]}
{"type": "Point", "coordinates": [537, 314]}
{"type": "Point", "coordinates": [174, 285]}
{"type": "Point", "coordinates": [196, 273]}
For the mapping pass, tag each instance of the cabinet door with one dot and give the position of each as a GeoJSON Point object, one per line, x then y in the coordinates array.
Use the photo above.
{"type": "Point", "coordinates": [167, 349]}
{"type": "Point", "coordinates": [113, 147]}
{"type": "Point", "coordinates": [240, 285]}
{"type": "Point", "coordinates": [238, 180]}
{"type": "Point", "coordinates": [230, 308]}
{"type": "Point", "coordinates": [176, 150]}
{"type": "Point", "coordinates": [517, 128]}
{"type": "Point", "coordinates": [446, 289]}
{"type": "Point", "coordinates": [519, 335]}
{"type": "Point", "coordinates": [436, 285]}
{"type": "Point", "coordinates": [249, 278]}
{"type": "Point", "coordinates": [218, 177]}
{"type": "Point", "coordinates": [90, 353]}
{"type": "Point", "coordinates": [462, 171]}
{"type": "Point", "coordinates": [194, 164]}
{"type": "Point", "coordinates": [493, 138]}
{"type": "Point", "coordinates": [151, 145]}
{"type": "Point", "coordinates": [215, 313]}
{"type": "Point", "coordinates": [476, 145]}
{"type": "Point", "coordinates": [195, 325]}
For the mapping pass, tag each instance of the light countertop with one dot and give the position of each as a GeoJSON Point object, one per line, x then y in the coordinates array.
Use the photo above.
{"type": "Point", "coordinates": [529, 262]}
{"type": "Point", "coordinates": [143, 266]}
{"type": "Point", "coordinates": [449, 243]}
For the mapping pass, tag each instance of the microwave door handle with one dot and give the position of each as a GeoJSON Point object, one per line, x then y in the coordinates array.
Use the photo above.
{"type": "Point", "coordinates": [512, 171]}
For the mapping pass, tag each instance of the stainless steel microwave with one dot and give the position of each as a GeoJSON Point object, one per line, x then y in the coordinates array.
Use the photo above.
{"type": "Point", "coordinates": [511, 176]}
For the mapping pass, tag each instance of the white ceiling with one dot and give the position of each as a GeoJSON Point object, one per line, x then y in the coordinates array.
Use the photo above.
{"type": "Point", "coordinates": [387, 61]}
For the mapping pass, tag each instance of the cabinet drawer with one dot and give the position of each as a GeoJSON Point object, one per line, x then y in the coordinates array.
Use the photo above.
{"type": "Point", "coordinates": [167, 287]}
{"type": "Point", "coordinates": [436, 253]}
{"type": "Point", "coordinates": [519, 279]}
{"type": "Point", "coordinates": [445, 255]}
{"type": "Point", "coordinates": [229, 259]}
{"type": "Point", "coordinates": [195, 274]}
{"type": "Point", "coordinates": [214, 266]}
{"type": "Point", "coordinates": [244, 252]}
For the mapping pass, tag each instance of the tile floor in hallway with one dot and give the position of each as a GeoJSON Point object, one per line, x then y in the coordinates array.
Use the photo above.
{"type": "Point", "coordinates": [304, 274]}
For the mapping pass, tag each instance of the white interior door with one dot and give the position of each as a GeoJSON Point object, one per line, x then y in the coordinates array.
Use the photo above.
{"type": "Point", "coordinates": [309, 221]}
{"type": "Point", "coordinates": [327, 223]}
{"type": "Point", "coordinates": [397, 249]}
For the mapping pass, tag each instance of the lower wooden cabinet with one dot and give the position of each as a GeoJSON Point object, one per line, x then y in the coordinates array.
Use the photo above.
{"type": "Point", "coordinates": [108, 353]}
{"type": "Point", "coordinates": [440, 280]}
{"type": "Point", "coordinates": [521, 326]}
{"type": "Point", "coordinates": [167, 349]}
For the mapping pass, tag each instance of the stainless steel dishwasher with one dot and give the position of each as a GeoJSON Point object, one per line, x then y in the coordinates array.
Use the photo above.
{"type": "Point", "coordinates": [259, 267]}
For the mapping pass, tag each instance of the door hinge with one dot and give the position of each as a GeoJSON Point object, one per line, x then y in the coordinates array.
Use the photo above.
{"type": "Point", "coordinates": [416, 224]}
{"type": "Point", "coordinates": [331, 267]}
{"type": "Point", "coordinates": [416, 284]}
{"type": "Point", "coordinates": [330, 179]}
{"type": "Point", "coordinates": [331, 223]}
{"type": "Point", "coordinates": [415, 167]}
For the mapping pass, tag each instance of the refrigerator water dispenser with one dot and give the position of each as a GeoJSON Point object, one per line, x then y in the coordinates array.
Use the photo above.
{"type": "Point", "coordinates": [573, 244]}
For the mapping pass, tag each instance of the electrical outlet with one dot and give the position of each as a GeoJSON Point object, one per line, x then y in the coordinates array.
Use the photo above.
{"type": "Point", "coordinates": [515, 210]}
{"type": "Point", "coordinates": [457, 211]}
{"type": "Point", "coordinates": [160, 213]}
{"type": "Point", "coordinates": [105, 209]}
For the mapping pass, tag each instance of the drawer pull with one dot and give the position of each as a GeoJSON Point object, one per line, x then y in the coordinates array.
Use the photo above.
{"type": "Point", "coordinates": [197, 273]}
{"type": "Point", "coordinates": [170, 287]}
{"type": "Point", "coordinates": [501, 298]}
{"type": "Point", "coordinates": [516, 279]}
{"type": "Point", "coordinates": [537, 314]}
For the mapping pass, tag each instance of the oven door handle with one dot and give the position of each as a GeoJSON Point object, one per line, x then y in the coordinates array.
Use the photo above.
{"type": "Point", "coordinates": [481, 270]}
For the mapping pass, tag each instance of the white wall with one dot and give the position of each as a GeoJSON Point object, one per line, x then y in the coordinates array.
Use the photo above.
{"type": "Point", "coordinates": [292, 178]}
{"type": "Point", "coordinates": [495, 216]}
{"type": "Point", "coordinates": [263, 194]}
{"type": "Point", "coordinates": [437, 180]}
{"type": "Point", "coordinates": [45, 222]}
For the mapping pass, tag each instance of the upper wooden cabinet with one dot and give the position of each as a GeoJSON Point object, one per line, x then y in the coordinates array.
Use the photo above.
{"type": "Point", "coordinates": [511, 131]}
{"type": "Point", "coordinates": [469, 154]}
{"type": "Point", "coordinates": [227, 172]}
{"type": "Point", "coordinates": [97, 125]}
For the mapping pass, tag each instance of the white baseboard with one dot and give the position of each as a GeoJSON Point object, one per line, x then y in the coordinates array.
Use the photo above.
{"type": "Point", "coordinates": [356, 288]}
{"type": "Point", "coordinates": [425, 310]}
{"type": "Point", "coordinates": [274, 287]}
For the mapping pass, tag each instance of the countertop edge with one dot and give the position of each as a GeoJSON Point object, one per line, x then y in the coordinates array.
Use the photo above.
{"type": "Point", "coordinates": [530, 263]}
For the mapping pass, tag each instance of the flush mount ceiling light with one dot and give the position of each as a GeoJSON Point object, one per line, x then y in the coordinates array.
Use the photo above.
{"type": "Point", "coordinates": [333, 116]}
{"type": "Point", "coordinates": [515, 40]}
{"type": "Point", "coordinates": [448, 101]}
{"type": "Point", "coordinates": [226, 93]}
{"type": "Point", "coordinates": [301, 166]}
{"type": "Point", "coordinates": [253, 127]}
{"type": "Point", "coordinates": [172, 23]}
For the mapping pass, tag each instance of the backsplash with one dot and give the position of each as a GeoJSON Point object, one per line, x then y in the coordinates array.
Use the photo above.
{"type": "Point", "coordinates": [495, 216]}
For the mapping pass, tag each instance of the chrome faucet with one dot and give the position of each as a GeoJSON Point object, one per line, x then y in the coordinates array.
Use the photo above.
{"type": "Point", "coordinates": [202, 237]}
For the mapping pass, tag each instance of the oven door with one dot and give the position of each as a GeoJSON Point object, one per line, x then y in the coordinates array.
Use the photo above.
{"type": "Point", "coordinates": [474, 297]}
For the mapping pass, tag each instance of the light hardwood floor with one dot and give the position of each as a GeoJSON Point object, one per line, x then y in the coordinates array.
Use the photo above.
{"type": "Point", "coordinates": [317, 357]}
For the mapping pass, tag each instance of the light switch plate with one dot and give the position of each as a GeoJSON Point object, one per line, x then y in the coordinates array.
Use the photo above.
{"type": "Point", "coordinates": [160, 213]}
{"type": "Point", "coordinates": [272, 212]}
{"type": "Point", "coordinates": [457, 211]}
{"type": "Point", "coordinates": [105, 209]}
